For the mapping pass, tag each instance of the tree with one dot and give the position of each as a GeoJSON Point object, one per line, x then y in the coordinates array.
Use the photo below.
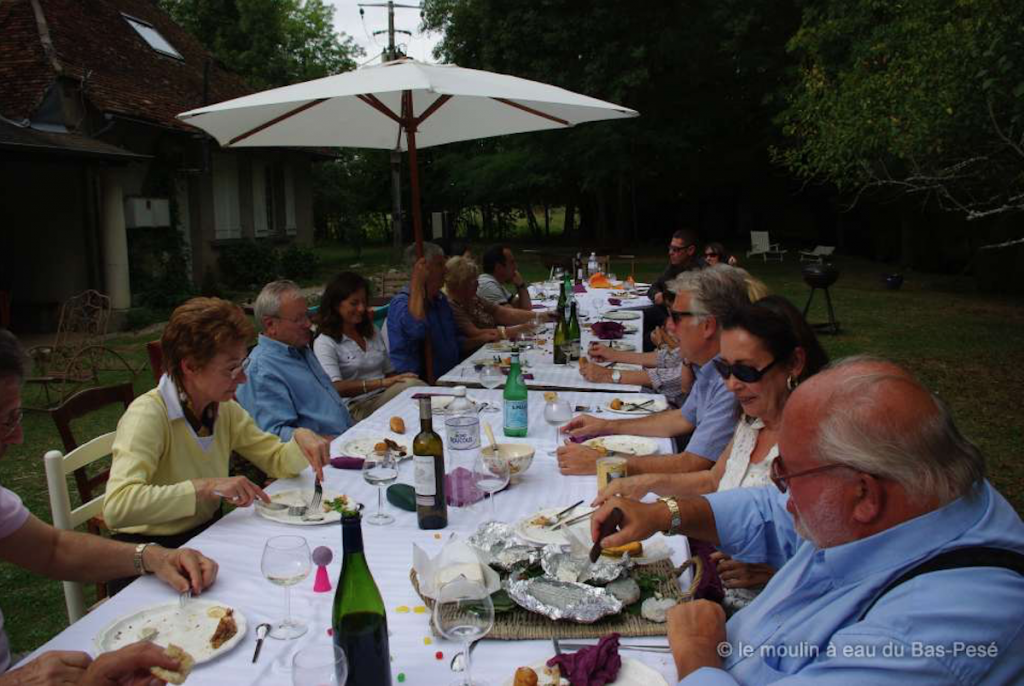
{"type": "Point", "coordinates": [920, 97]}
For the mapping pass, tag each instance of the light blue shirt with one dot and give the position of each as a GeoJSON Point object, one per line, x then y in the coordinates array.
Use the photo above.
{"type": "Point", "coordinates": [712, 409]}
{"type": "Point", "coordinates": [288, 389]}
{"type": "Point", "coordinates": [958, 626]}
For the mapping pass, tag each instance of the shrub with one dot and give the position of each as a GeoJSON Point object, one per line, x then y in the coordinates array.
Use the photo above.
{"type": "Point", "coordinates": [248, 264]}
{"type": "Point", "coordinates": [297, 262]}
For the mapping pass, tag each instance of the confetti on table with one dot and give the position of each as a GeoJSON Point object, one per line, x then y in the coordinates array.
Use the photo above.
{"type": "Point", "coordinates": [402, 609]}
{"type": "Point", "coordinates": [439, 655]}
{"type": "Point", "coordinates": [419, 609]}
{"type": "Point", "coordinates": [330, 631]}
{"type": "Point", "coordinates": [401, 677]}
{"type": "Point", "coordinates": [437, 536]}
{"type": "Point", "coordinates": [427, 640]}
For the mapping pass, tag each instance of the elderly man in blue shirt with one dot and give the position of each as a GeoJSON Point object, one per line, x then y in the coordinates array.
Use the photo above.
{"type": "Point", "coordinates": [709, 413]}
{"type": "Point", "coordinates": [287, 387]}
{"type": "Point", "coordinates": [420, 310]}
{"type": "Point", "coordinates": [879, 482]}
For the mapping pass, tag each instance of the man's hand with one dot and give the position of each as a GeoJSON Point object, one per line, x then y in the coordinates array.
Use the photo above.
{"type": "Point", "coordinates": [128, 666]}
{"type": "Point", "coordinates": [602, 353]}
{"type": "Point", "coordinates": [575, 459]}
{"type": "Point", "coordinates": [420, 271]}
{"type": "Point", "coordinates": [181, 568]}
{"type": "Point", "coordinates": [586, 425]}
{"type": "Point", "coordinates": [316, 448]}
{"type": "Point", "coordinates": [640, 521]}
{"type": "Point", "coordinates": [634, 487]}
{"type": "Point", "coordinates": [594, 372]}
{"type": "Point", "coordinates": [695, 631]}
{"type": "Point", "coordinates": [49, 669]}
{"type": "Point", "coordinates": [659, 298]}
{"type": "Point", "coordinates": [517, 280]}
{"type": "Point", "coordinates": [736, 574]}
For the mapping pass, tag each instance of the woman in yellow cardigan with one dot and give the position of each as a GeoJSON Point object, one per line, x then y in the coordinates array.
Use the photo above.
{"type": "Point", "coordinates": [170, 456]}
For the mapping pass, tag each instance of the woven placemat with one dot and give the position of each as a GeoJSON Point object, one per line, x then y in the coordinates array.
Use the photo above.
{"type": "Point", "coordinates": [519, 624]}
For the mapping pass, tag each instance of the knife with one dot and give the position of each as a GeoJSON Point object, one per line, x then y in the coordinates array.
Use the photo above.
{"type": "Point", "coordinates": [558, 517]}
{"type": "Point", "coordinates": [261, 633]}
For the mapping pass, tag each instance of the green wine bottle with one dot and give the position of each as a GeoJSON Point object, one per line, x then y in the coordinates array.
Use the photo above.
{"type": "Point", "coordinates": [358, 618]}
{"type": "Point", "coordinates": [515, 400]}
{"type": "Point", "coordinates": [561, 298]}
{"type": "Point", "coordinates": [561, 339]}
{"type": "Point", "coordinates": [428, 460]}
{"type": "Point", "coordinates": [574, 334]}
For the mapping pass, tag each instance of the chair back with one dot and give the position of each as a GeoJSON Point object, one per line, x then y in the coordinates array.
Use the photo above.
{"type": "Point", "coordinates": [758, 242]}
{"type": "Point", "coordinates": [156, 359]}
{"type": "Point", "coordinates": [64, 517]}
{"type": "Point", "coordinates": [391, 281]}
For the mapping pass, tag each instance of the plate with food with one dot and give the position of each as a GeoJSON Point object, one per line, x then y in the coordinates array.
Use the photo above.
{"type": "Point", "coordinates": [538, 527]}
{"type": "Point", "coordinates": [622, 315]}
{"type": "Point", "coordinates": [364, 447]}
{"type": "Point", "coordinates": [500, 346]}
{"type": "Point", "coordinates": [203, 629]}
{"type": "Point", "coordinates": [631, 673]}
{"type": "Point", "coordinates": [621, 345]}
{"type": "Point", "coordinates": [636, 407]}
{"type": "Point", "coordinates": [331, 507]}
{"type": "Point", "coordinates": [623, 445]}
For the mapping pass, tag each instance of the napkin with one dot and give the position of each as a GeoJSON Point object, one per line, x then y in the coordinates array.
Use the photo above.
{"type": "Point", "coordinates": [614, 301]}
{"type": "Point", "coordinates": [579, 288]}
{"type": "Point", "coordinates": [709, 587]}
{"type": "Point", "coordinates": [456, 558]}
{"type": "Point", "coordinates": [460, 488]}
{"type": "Point", "coordinates": [594, 666]}
{"type": "Point", "coordinates": [347, 462]}
{"type": "Point", "coordinates": [608, 331]}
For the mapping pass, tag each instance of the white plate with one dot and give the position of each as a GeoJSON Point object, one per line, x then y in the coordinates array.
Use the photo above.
{"type": "Point", "coordinates": [621, 345]}
{"type": "Point", "coordinates": [500, 346]}
{"type": "Point", "coordinates": [191, 628]}
{"type": "Point", "coordinates": [632, 673]}
{"type": "Point", "coordinates": [363, 447]}
{"type": "Point", "coordinates": [657, 406]}
{"type": "Point", "coordinates": [625, 445]}
{"type": "Point", "coordinates": [540, 535]}
{"type": "Point", "coordinates": [298, 497]}
{"type": "Point", "coordinates": [622, 315]}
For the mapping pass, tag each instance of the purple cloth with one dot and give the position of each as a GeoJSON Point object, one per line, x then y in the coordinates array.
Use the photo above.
{"type": "Point", "coordinates": [347, 462]}
{"type": "Point", "coordinates": [579, 288]}
{"type": "Point", "coordinates": [710, 586]}
{"type": "Point", "coordinates": [581, 439]}
{"type": "Point", "coordinates": [538, 307]}
{"type": "Point", "coordinates": [460, 488]}
{"type": "Point", "coordinates": [614, 301]}
{"type": "Point", "coordinates": [608, 331]}
{"type": "Point", "coordinates": [594, 666]}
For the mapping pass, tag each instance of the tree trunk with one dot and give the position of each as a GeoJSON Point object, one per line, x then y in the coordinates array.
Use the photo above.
{"type": "Point", "coordinates": [531, 220]}
{"type": "Point", "coordinates": [569, 222]}
{"type": "Point", "coordinates": [547, 220]}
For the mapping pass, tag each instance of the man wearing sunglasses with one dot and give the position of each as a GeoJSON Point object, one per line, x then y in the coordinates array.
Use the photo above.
{"type": "Point", "coordinates": [682, 256]}
{"type": "Point", "coordinates": [897, 558]}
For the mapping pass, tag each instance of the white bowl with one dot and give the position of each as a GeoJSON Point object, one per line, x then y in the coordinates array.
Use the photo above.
{"type": "Point", "coordinates": [519, 456]}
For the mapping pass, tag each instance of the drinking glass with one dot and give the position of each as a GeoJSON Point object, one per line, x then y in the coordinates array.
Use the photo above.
{"type": "Point", "coordinates": [319, 664]}
{"type": "Point", "coordinates": [286, 562]}
{"type": "Point", "coordinates": [556, 413]}
{"type": "Point", "coordinates": [463, 611]}
{"type": "Point", "coordinates": [491, 474]}
{"type": "Point", "coordinates": [380, 469]}
{"type": "Point", "coordinates": [490, 378]}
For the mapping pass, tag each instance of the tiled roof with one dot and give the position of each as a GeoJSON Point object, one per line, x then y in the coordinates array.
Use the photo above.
{"type": "Point", "coordinates": [25, 139]}
{"type": "Point", "coordinates": [121, 72]}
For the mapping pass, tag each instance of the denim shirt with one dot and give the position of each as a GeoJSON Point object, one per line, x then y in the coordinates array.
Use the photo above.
{"type": "Point", "coordinates": [288, 389]}
{"type": "Point", "coordinates": [406, 334]}
{"type": "Point", "coordinates": [713, 410]}
{"type": "Point", "coordinates": [958, 626]}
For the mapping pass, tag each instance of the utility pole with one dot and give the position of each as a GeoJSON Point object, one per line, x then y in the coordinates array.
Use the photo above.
{"type": "Point", "coordinates": [396, 155]}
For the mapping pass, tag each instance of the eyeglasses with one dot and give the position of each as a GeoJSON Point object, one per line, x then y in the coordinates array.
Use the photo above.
{"type": "Point", "coordinates": [677, 316]}
{"type": "Point", "coordinates": [779, 477]}
{"type": "Point", "coordinates": [301, 319]}
{"type": "Point", "coordinates": [236, 370]}
{"type": "Point", "coordinates": [678, 248]}
{"type": "Point", "coordinates": [742, 372]}
{"type": "Point", "coordinates": [8, 428]}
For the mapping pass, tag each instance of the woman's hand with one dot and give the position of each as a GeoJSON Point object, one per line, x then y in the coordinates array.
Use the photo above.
{"type": "Point", "coordinates": [237, 490]}
{"type": "Point", "coordinates": [635, 487]}
{"type": "Point", "coordinates": [735, 574]}
{"type": "Point", "coordinates": [594, 372]}
{"type": "Point", "coordinates": [390, 381]}
{"type": "Point", "coordinates": [601, 353]}
{"type": "Point", "coordinates": [316, 448]}
{"type": "Point", "coordinates": [576, 459]}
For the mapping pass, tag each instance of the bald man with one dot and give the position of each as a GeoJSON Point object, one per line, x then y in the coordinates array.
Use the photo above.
{"type": "Point", "coordinates": [879, 482]}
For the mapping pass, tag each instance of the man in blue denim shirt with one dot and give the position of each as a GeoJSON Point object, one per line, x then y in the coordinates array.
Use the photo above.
{"type": "Point", "coordinates": [287, 387]}
{"type": "Point", "coordinates": [421, 309]}
{"type": "Point", "coordinates": [879, 480]}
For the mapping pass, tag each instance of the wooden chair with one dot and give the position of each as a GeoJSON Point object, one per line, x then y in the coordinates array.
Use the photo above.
{"type": "Point", "coordinates": [156, 359]}
{"type": "Point", "coordinates": [761, 245]}
{"type": "Point", "coordinates": [818, 254]}
{"type": "Point", "coordinates": [390, 282]}
{"type": "Point", "coordinates": [57, 468]}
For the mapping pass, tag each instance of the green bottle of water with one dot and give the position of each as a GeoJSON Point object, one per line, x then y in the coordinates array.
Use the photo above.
{"type": "Point", "coordinates": [358, 619]}
{"type": "Point", "coordinates": [515, 400]}
{"type": "Point", "coordinates": [575, 340]}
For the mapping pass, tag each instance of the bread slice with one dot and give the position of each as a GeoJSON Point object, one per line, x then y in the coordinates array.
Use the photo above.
{"type": "Point", "coordinates": [226, 629]}
{"type": "Point", "coordinates": [635, 549]}
{"type": "Point", "coordinates": [185, 664]}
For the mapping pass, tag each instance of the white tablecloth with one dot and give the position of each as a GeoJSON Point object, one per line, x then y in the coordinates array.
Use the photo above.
{"type": "Point", "coordinates": [236, 542]}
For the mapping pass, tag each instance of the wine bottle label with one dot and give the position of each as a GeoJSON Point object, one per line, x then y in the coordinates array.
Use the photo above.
{"type": "Point", "coordinates": [426, 486]}
{"type": "Point", "coordinates": [515, 414]}
{"type": "Point", "coordinates": [574, 350]}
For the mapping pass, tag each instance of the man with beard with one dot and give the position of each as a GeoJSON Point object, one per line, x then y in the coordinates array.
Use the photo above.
{"type": "Point", "coordinates": [899, 562]}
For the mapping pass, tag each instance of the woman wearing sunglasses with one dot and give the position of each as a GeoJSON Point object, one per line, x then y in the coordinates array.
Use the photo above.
{"type": "Point", "coordinates": [766, 350]}
{"type": "Point", "coordinates": [715, 253]}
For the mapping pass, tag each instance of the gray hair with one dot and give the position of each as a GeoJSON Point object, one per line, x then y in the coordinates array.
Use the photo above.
{"type": "Point", "coordinates": [13, 360]}
{"type": "Point", "coordinates": [714, 291]}
{"type": "Point", "coordinates": [268, 302]}
{"type": "Point", "coordinates": [929, 457]}
{"type": "Point", "coordinates": [430, 251]}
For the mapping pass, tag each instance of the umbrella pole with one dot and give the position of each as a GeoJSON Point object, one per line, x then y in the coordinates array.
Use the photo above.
{"type": "Point", "coordinates": [409, 123]}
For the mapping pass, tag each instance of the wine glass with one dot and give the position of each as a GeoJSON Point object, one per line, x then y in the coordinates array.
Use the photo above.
{"type": "Point", "coordinates": [490, 378]}
{"type": "Point", "coordinates": [491, 473]}
{"type": "Point", "coordinates": [286, 562]}
{"type": "Point", "coordinates": [319, 664]}
{"type": "Point", "coordinates": [380, 469]}
{"type": "Point", "coordinates": [556, 413]}
{"type": "Point", "coordinates": [463, 611]}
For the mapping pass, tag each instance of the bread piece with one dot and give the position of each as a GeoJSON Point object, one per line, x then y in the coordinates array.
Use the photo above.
{"type": "Point", "coordinates": [635, 549]}
{"type": "Point", "coordinates": [550, 397]}
{"type": "Point", "coordinates": [226, 628]}
{"type": "Point", "coordinates": [525, 677]}
{"type": "Point", "coordinates": [185, 664]}
{"type": "Point", "coordinates": [380, 447]}
{"type": "Point", "coordinates": [398, 425]}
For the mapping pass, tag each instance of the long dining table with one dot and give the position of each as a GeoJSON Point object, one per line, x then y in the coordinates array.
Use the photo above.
{"type": "Point", "coordinates": [236, 542]}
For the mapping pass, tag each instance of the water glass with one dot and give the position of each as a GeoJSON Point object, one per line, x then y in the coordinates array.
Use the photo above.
{"type": "Point", "coordinates": [463, 611]}
{"type": "Point", "coordinates": [286, 562]}
{"type": "Point", "coordinates": [319, 664]}
{"type": "Point", "coordinates": [557, 413]}
{"type": "Point", "coordinates": [380, 469]}
{"type": "Point", "coordinates": [490, 378]}
{"type": "Point", "coordinates": [491, 474]}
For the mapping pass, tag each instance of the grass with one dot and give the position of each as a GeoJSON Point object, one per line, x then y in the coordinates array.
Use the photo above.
{"type": "Point", "coordinates": [963, 345]}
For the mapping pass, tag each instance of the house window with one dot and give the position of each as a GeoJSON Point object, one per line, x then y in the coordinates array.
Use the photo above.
{"type": "Point", "coordinates": [290, 224]}
{"type": "Point", "coordinates": [152, 37]}
{"type": "Point", "coordinates": [262, 199]}
{"type": "Point", "coordinates": [226, 214]}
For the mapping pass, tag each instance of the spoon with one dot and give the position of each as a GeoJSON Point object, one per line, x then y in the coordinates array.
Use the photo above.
{"type": "Point", "coordinates": [490, 437]}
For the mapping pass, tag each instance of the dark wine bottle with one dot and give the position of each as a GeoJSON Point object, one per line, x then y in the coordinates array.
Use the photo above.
{"type": "Point", "coordinates": [428, 460]}
{"type": "Point", "coordinates": [560, 342]}
{"type": "Point", "coordinates": [358, 618]}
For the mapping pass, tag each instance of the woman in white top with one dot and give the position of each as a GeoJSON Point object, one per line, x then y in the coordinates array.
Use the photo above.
{"type": "Point", "coordinates": [352, 351]}
{"type": "Point", "coordinates": [766, 349]}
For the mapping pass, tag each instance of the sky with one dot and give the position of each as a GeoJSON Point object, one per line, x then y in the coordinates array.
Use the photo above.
{"type": "Point", "coordinates": [348, 21]}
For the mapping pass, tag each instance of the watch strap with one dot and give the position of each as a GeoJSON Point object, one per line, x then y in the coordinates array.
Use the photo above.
{"type": "Point", "coordinates": [140, 566]}
{"type": "Point", "coordinates": [676, 526]}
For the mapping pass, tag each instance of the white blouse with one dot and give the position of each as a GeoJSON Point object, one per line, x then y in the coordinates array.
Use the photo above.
{"type": "Point", "coordinates": [739, 472]}
{"type": "Point", "coordinates": [344, 360]}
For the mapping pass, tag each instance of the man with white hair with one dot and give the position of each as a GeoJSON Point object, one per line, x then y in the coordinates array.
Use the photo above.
{"type": "Point", "coordinates": [899, 562]}
{"type": "Point", "coordinates": [288, 388]}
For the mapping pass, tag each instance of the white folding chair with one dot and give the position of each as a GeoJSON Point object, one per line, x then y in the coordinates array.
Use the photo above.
{"type": "Point", "coordinates": [761, 245]}
{"type": "Point", "coordinates": [819, 253]}
{"type": "Point", "coordinates": [58, 466]}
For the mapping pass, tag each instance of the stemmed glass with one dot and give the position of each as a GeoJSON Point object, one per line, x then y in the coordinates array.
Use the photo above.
{"type": "Point", "coordinates": [286, 562]}
{"type": "Point", "coordinates": [556, 413]}
{"type": "Point", "coordinates": [491, 474]}
{"type": "Point", "coordinates": [319, 664]}
{"type": "Point", "coordinates": [463, 611]}
{"type": "Point", "coordinates": [490, 378]}
{"type": "Point", "coordinates": [380, 469]}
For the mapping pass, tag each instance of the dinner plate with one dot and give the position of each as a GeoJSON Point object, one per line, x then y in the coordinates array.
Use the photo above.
{"type": "Point", "coordinates": [657, 406]}
{"type": "Point", "coordinates": [364, 447]}
{"type": "Point", "coordinates": [632, 673]}
{"type": "Point", "coordinates": [622, 315]}
{"type": "Point", "coordinates": [500, 346]}
{"type": "Point", "coordinates": [625, 445]}
{"type": "Point", "coordinates": [541, 535]}
{"type": "Point", "coordinates": [190, 627]}
{"type": "Point", "coordinates": [621, 345]}
{"type": "Point", "coordinates": [298, 497]}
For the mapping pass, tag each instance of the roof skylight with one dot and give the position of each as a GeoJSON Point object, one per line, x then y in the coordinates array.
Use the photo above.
{"type": "Point", "coordinates": [152, 37]}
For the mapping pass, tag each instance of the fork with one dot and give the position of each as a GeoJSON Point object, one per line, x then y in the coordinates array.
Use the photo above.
{"type": "Point", "coordinates": [313, 509]}
{"type": "Point", "coordinates": [184, 598]}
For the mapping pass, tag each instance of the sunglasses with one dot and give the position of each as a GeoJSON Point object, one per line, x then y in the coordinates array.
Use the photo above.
{"type": "Point", "coordinates": [677, 248]}
{"type": "Point", "coordinates": [710, 254]}
{"type": "Point", "coordinates": [776, 472]}
{"type": "Point", "coordinates": [742, 372]}
{"type": "Point", "coordinates": [8, 428]}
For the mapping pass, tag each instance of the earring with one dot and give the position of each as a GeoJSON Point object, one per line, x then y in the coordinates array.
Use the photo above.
{"type": "Point", "coordinates": [791, 383]}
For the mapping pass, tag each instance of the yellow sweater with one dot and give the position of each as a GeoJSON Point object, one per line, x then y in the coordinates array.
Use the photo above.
{"type": "Point", "coordinates": [154, 459]}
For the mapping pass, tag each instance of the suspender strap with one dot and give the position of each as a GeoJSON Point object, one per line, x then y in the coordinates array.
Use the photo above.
{"type": "Point", "coordinates": [973, 556]}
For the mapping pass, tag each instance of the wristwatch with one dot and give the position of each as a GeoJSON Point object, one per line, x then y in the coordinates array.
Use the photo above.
{"type": "Point", "coordinates": [140, 566]}
{"type": "Point", "coordinates": [675, 528]}
{"type": "Point", "coordinates": [616, 376]}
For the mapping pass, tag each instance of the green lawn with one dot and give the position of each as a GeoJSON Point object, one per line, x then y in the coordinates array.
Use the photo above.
{"type": "Point", "coordinates": [965, 346]}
